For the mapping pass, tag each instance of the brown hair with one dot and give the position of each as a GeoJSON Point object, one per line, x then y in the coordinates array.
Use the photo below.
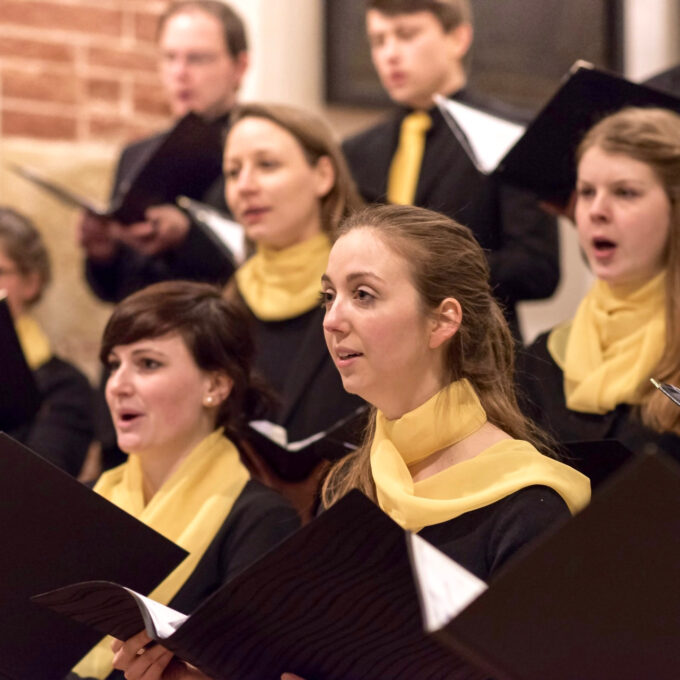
{"type": "Point", "coordinates": [652, 136]}
{"type": "Point", "coordinates": [449, 13]}
{"type": "Point", "coordinates": [233, 28]}
{"type": "Point", "coordinates": [316, 138]}
{"type": "Point", "coordinates": [23, 244]}
{"type": "Point", "coordinates": [215, 331]}
{"type": "Point", "coordinates": [445, 261]}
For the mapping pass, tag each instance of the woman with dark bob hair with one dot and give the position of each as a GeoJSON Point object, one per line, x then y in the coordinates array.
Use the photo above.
{"type": "Point", "coordinates": [63, 427]}
{"type": "Point", "coordinates": [413, 328]}
{"type": "Point", "coordinates": [180, 390]}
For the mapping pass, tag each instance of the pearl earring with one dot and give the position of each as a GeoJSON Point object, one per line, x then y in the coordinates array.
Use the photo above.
{"type": "Point", "coordinates": [208, 401]}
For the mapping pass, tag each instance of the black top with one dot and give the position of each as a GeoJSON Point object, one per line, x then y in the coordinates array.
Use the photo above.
{"type": "Point", "coordinates": [62, 429]}
{"type": "Point", "coordinates": [196, 258]}
{"type": "Point", "coordinates": [259, 520]}
{"type": "Point", "coordinates": [520, 239]}
{"type": "Point", "coordinates": [293, 358]}
{"type": "Point", "coordinates": [541, 388]}
{"type": "Point", "coordinates": [483, 540]}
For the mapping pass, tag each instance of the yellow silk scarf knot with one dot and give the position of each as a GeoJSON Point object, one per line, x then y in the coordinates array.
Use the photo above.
{"type": "Point", "coordinates": [405, 167]}
{"type": "Point", "coordinates": [189, 509]}
{"type": "Point", "coordinates": [283, 284]}
{"type": "Point", "coordinates": [497, 472]}
{"type": "Point", "coordinates": [34, 343]}
{"type": "Point", "coordinates": [611, 347]}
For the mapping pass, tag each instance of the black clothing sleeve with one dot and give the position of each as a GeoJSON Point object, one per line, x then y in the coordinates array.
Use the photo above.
{"type": "Point", "coordinates": [63, 428]}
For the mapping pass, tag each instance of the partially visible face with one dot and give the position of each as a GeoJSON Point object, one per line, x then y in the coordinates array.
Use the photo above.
{"type": "Point", "coordinates": [415, 57]}
{"type": "Point", "coordinates": [197, 71]}
{"type": "Point", "coordinates": [20, 288]}
{"type": "Point", "coordinates": [622, 216]}
{"type": "Point", "coordinates": [375, 328]}
{"type": "Point", "coordinates": [156, 395]}
{"type": "Point", "coordinates": [270, 187]}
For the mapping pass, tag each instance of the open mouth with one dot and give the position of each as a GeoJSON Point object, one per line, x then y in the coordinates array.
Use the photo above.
{"type": "Point", "coordinates": [348, 355]}
{"type": "Point", "coordinates": [128, 416]}
{"type": "Point", "coordinates": [603, 244]}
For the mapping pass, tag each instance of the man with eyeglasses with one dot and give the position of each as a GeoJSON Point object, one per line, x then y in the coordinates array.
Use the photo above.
{"type": "Point", "coordinates": [203, 58]}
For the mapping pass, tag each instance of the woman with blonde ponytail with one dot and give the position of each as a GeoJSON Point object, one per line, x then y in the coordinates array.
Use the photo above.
{"type": "Point", "coordinates": [413, 328]}
{"type": "Point", "coordinates": [588, 379]}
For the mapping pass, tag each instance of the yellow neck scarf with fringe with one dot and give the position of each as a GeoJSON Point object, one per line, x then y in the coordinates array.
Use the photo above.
{"type": "Point", "coordinates": [448, 417]}
{"type": "Point", "coordinates": [34, 343]}
{"type": "Point", "coordinates": [283, 284]}
{"type": "Point", "coordinates": [609, 350]}
{"type": "Point", "coordinates": [189, 509]}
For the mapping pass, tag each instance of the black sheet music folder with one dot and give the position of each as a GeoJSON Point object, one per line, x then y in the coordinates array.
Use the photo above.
{"type": "Point", "coordinates": [186, 161]}
{"type": "Point", "coordinates": [54, 531]}
{"type": "Point", "coordinates": [19, 395]}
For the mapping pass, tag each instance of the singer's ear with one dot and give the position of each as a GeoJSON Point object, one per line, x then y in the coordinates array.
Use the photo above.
{"type": "Point", "coordinates": [445, 322]}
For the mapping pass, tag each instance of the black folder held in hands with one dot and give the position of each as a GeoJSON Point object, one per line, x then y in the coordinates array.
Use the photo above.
{"type": "Point", "coordinates": [19, 395]}
{"type": "Point", "coordinates": [339, 600]}
{"type": "Point", "coordinates": [335, 601]}
{"type": "Point", "coordinates": [295, 460]}
{"type": "Point", "coordinates": [541, 159]}
{"type": "Point", "coordinates": [53, 531]}
{"type": "Point", "coordinates": [186, 161]}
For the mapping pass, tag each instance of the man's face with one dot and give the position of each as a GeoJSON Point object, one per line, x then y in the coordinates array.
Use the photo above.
{"type": "Point", "coordinates": [197, 71]}
{"type": "Point", "coordinates": [415, 57]}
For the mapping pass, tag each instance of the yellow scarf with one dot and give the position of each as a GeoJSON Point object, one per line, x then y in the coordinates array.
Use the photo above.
{"type": "Point", "coordinates": [611, 347]}
{"type": "Point", "coordinates": [283, 284]}
{"type": "Point", "coordinates": [189, 509]}
{"type": "Point", "coordinates": [503, 468]}
{"type": "Point", "coordinates": [34, 343]}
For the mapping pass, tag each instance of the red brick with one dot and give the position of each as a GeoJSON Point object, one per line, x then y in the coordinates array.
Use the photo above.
{"type": "Point", "coordinates": [146, 25]}
{"type": "Point", "coordinates": [50, 15]}
{"type": "Point", "coordinates": [44, 126]}
{"type": "Point", "coordinates": [118, 128]}
{"type": "Point", "coordinates": [34, 49]}
{"type": "Point", "coordinates": [150, 99]}
{"type": "Point", "coordinates": [43, 86]}
{"type": "Point", "coordinates": [103, 89]}
{"type": "Point", "coordinates": [132, 60]}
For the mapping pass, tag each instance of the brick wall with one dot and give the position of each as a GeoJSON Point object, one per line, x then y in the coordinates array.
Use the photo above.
{"type": "Point", "coordinates": [79, 70]}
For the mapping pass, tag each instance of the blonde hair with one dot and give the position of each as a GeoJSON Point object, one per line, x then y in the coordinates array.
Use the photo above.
{"type": "Point", "coordinates": [445, 260]}
{"type": "Point", "coordinates": [652, 136]}
{"type": "Point", "coordinates": [316, 138]}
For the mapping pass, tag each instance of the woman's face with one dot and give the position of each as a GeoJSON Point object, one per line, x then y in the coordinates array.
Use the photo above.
{"type": "Point", "coordinates": [376, 330]}
{"type": "Point", "coordinates": [270, 187]}
{"type": "Point", "coordinates": [20, 288]}
{"type": "Point", "coordinates": [623, 218]}
{"type": "Point", "coordinates": [161, 402]}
